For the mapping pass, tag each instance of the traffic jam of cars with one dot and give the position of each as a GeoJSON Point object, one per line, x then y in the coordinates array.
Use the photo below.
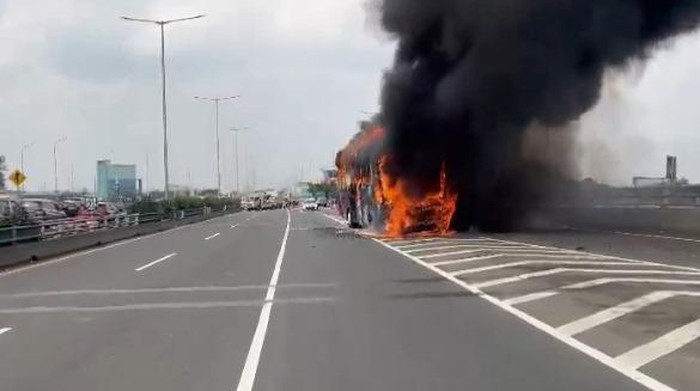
{"type": "Point", "coordinates": [47, 218]}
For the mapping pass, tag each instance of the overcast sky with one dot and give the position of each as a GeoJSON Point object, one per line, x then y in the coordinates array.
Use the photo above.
{"type": "Point", "coordinates": [72, 68]}
{"type": "Point", "coordinates": [306, 69]}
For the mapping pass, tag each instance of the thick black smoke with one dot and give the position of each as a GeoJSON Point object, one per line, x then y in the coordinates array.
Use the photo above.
{"type": "Point", "coordinates": [470, 76]}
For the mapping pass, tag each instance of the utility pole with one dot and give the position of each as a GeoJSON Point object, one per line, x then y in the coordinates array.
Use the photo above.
{"type": "Point", "coordinates": [216, 101]}
{"type": "Point", "coordinates": [161, 24]}
{"type": "Point", "coordinates": [235, 138]}
{"type": "Point", "coordinates": [55, 163]}
{"type": "Point", "coordinates": [148, 174]}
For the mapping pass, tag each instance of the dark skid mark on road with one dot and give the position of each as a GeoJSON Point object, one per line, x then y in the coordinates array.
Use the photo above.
{"type": "Point", "coordinates": [331, 232]}
{"type": "Point", "coordinates": [422, 280]}
{"type": "Point", "coordinates": [431, 295]}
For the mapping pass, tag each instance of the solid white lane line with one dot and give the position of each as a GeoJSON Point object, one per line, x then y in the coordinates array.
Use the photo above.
{"type": "Point", "coordinates": [666, 344]}
{"type": "Point", "coordinates": [419, 245]}
{"type": "Point", "coordinates": [444, 242]}
{"type": "Point", "coordinates": [447, 254]}
{"type": "Point", "coordinates": [525, 263]}
{"type": "Point", "coordinates": [4, 330]}
{"type": "Point", "coordinates": [633, 374]}
{"type": "Point", "coordinates": [403, 243]}
{"type": "Point", "coordinates": [657, 236]}
{"type": "Point", "coordinates": [550, 272]}
{"type": "Point", "coordinates": [639, 261]}
{"type": "Point", "coordinates": [509, 254]}
{"type": "Point", "coordinates": [465, 246]}
{"type": "Point", "coordinates": [212, 236]}
{"type": "Point", "coordinates": [247, 379]}
{"type": "Point", "coordinates": [234, 226]}
{"type": "Point", "coordinates": [529, 297]}
{"type": "Point", "coordinates": [399, 242]}
{"type": "Point", "coordinates": [513, 252]}
{"type": "Point", "coordinates": [580, 325]}
{"type": "Point", "coordinates": [603, 281]}
{"type": "Point", "coordinates": [157, 261]}
{"type": "Point", "coordinates": [593, 283]}
{"type": "Point", "coordinates": [466, 260]}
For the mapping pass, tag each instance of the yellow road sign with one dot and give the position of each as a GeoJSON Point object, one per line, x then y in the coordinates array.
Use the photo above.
{"type": "Point", "coordinates": [17, 177]}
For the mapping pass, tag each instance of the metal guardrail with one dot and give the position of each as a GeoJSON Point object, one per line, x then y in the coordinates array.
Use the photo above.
{"type": "Point", "coordinates": [61, 228]}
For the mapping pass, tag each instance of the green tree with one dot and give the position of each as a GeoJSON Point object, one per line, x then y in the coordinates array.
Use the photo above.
{"type": "Point", "coordinates": [326, 190]}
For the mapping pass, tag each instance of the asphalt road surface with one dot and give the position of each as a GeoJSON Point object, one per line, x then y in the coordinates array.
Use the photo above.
{"type": "Point", "coordinates": [295, 301]}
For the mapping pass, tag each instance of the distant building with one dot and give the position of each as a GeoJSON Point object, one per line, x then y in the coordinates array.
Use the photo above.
{"type": "Point", "coordinates": [671, 177]}
{"type": "Point", "coordinates": [116, 181]}
{"type": "Point", "coordinates": [301, 190]}
{"type": "Point", "coordinates": [643, 181]}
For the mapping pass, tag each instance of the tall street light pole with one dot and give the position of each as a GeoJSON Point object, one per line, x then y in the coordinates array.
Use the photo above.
{"type": "Point", "coordinates": [21, 158]}
{"type": "Point", "coordinates": [55, 163]}
{"type": "Point", "coordinates": [235, 141]}
{"type": "Point", "coordinates": [161, 24]}
{"type": "Point", "coordinates": [216, 101]}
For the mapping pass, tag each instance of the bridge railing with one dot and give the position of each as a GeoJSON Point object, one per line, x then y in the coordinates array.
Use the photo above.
{"type": "Point", "coordinates": [46, 230]}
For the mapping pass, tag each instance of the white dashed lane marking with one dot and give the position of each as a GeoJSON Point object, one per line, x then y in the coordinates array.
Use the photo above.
{"type": "Point", "coordinates": [210, 237]}
{"type": "Point", "coordinates": [157, 261]}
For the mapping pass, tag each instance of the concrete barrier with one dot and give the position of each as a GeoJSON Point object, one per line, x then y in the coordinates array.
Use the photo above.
{"type": "Point", "coordinates": [38, 251]}
{"type": "Point", "coordinates": [666, 219]}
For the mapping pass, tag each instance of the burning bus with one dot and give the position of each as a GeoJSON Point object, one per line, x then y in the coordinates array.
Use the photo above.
{"type": "Point", "coordinates": [370, 196]}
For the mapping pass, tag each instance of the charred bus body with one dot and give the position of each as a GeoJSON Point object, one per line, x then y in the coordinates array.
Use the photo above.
{"type": "Point", "coordinates": [359, 178]}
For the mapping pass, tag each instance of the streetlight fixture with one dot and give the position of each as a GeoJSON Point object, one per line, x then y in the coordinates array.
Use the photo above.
{"type": "Point", "coordinates": [21, 156]}
{"type": "Point", "coordinates": [161, 24]}
{"type": "Point", "coordinates": [216, 101]}
{"type": "Point", "coordinates": [55, 163]}
{"type": "Point", "coordinates": [235, 140]}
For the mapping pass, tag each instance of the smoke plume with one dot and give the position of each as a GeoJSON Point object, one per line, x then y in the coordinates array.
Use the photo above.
{"type": "Point", "coordinates": [472, 77]}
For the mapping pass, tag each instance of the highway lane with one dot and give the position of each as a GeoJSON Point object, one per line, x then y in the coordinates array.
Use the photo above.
{"type": "Point", "coordinates": [137, 335]}
{"type": "Point", "coordinates": [346, 313]}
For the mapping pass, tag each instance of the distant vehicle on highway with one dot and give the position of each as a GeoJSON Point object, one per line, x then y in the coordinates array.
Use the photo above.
{"type": "Point", "coordinates": [252, 203]}
{"type": "Point", "coordinates": [71, 207]}
{"type": "Point", "coordinates": [43, 209]}
{"type": "Point", "coordinates": [309, 204]}
{"type": "Point", "coordinates": [108, 209]}
{"type": "Point", "coordinates": [322, 202]}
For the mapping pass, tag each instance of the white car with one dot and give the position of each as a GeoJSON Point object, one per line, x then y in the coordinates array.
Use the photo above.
{"type": "Point", "coordinates": [309, 204]}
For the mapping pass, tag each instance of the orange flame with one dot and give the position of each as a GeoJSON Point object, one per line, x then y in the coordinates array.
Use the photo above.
{"type": "Point", "coordinates": [406, 213]}
{"type": "Point", "coordinates": [433, 211]}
